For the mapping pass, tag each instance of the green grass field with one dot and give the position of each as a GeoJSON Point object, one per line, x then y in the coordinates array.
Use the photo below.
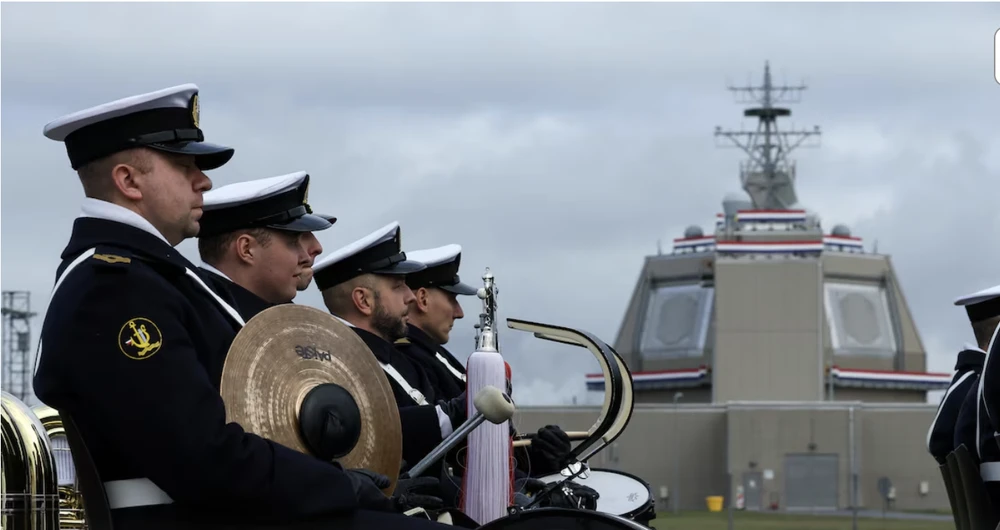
{"type": "Point", "coordinates": [769, 521]}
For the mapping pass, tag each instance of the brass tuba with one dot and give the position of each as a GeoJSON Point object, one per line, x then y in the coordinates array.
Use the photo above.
{"type": "Point", "coordinates": [71, 513]}
{"type": "Point", "coordinates": [29, 482]}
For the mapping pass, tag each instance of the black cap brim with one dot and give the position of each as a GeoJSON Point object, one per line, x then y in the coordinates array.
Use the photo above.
{"type": "Point", "coordinates": [307, 223]}
{"type": "Point", "coordinates": [460, 289]}
{"type": "Point", "coordinates": [208, 156]}
{"type": "Point", "coordinates": [402, 267]}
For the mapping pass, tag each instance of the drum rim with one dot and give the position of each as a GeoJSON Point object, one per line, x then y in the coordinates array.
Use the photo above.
{"type": "Point", "coordinates": [555, 511]}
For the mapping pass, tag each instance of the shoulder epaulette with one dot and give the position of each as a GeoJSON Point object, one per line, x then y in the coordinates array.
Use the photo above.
{"type": "Point", "coordinates": [402, 341]}
{"type": "Point", "coordinates": [111, 257]}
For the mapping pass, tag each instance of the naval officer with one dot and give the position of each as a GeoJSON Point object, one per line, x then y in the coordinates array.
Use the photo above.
{"type": "Point", "coordinates": [987, 453]}
{"type": "Point", "coordinates": [432, 314]}
{"type": "Point", "coordinates": [133, 342]}
{"type": "Point", "coordinates": [983, 313]}
{"type": "Point", "coordinates": [363, 284]}
{"type": "Point", "coordinates": [954, 423]}
{"type": "Point", "coordinates": [257, 240]}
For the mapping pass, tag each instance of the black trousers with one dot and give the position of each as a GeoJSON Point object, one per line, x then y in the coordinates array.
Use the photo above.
{"type": "Point", "coordinates": [165, 517]}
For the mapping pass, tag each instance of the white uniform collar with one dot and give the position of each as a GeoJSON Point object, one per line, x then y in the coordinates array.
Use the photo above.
{"type": "Point", "coordinates": [112, 212]}
{"type": "Point", "coordinates": [212, 269]}
{"type": "Point", "coordinates": [342, 320]}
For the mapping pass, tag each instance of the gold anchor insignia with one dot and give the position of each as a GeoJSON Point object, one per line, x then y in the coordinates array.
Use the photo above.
{"type": "Point", "coordinates": [139, 338]}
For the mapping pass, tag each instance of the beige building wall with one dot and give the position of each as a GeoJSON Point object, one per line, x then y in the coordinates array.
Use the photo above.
{"type": "Point", "coordinates": [768, 325]}
{"type": "Point", "coordinates": [721, 445]}
{"type": "Point", "coordinates": [770, 336]}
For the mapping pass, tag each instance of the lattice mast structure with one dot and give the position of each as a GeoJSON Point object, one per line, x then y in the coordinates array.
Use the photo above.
{"type": "Point", "coordinates": [16, 361]}
{"type": "Point", "coordinates": [768, 176]}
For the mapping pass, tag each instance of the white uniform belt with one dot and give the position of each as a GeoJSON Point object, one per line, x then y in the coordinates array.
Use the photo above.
{"type": "Point", "coordinates": [134, 492]}
{"type": "Point", "coordinates": [990, 471]}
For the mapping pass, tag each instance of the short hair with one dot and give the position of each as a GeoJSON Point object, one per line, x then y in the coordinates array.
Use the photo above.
{"type": "Point", "coordinates": [213, 248]}
{"type": "Point", "coordinates": [338, 298]}
{"type": "Point", "coordinates": [984, 329]}
{"type": "Point", "coordinates": [96, 175]}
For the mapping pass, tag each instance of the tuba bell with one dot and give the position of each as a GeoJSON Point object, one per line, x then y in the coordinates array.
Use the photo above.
{"type": "Point", "coordinates": [29, 482]}
{"type": "Point", "coordinates": [71, 512]}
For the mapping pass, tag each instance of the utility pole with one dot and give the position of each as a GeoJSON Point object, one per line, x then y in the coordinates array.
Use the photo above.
{"type": "Point", "coordinates": [677, 453]}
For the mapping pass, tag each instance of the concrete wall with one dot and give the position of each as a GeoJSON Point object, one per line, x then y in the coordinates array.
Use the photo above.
{"type": "Point", "coordinates": [647, 448]}
{"type": "Point", "coordinates": [893, 444]}
{"type": "Point", "coordinates": [769, 338]}
{"type": "Point", "coordinates": [760, 437]}
{"type": "Point", "coordinates": [870, 395]}
{"type": "Point", "coordinates": [718, 443]}
{"type": "Point", "coordinates": [660, 397]}
{"type": "Point", "coordinates": [768, 325]}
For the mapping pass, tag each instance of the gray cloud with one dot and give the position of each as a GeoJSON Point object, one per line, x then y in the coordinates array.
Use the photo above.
{"type": "Point", "coordinates": [556, 143]}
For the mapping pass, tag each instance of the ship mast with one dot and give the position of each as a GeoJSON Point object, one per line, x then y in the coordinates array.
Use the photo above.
{"type": "Point", "coordinates": [768, 176]}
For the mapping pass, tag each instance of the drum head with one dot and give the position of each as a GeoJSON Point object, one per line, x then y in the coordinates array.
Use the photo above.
{"type": "Point", "coordinates": [562, 519]}
{"type": "Point", "coordinates": [621, 493]}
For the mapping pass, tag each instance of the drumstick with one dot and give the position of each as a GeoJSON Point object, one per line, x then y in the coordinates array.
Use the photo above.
{"type": "Point", "coordinates": [524, 440]}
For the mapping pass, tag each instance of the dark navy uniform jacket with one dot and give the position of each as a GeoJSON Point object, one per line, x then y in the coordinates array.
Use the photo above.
{"type": "Point", "coordinates": [965, 423]}
{"type": "Point", "coordinates": [419, 423]}
{"type": "Point", "coordinates": [447, 374]}
{"type": "Point", "coordinates": [991, 386]}
{"type": "Point", "coordinates": [132, 349]}
{"type": "Point", "coordinates": [941, 435]}
{"type": "Point", "coordinates": [247, 303]}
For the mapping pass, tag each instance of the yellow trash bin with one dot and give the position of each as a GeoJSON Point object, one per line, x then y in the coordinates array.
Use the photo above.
{"type": "Point", "coordinates": [714, 503]}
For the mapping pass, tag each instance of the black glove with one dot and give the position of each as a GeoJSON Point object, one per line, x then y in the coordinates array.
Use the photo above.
{"type": "Point", "coordinates": [569, 495]}
{"type": "Point", "coordinates": [574, 496]}
{"type": "Point", "coordinates": [368, 487]}
{"type": "Point", "coordinates": [423, 492]}
{"type": "Point", "coordinates": [548, 450]}
{"type": "Point", "coordinates": [455, 408]}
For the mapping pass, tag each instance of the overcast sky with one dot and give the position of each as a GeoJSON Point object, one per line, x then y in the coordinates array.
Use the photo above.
{"type": "Point", "coordinates": [556, 143]}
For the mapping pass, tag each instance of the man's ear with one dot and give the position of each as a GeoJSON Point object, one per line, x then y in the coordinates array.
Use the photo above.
{"type": "Point", "coordinates": [244, 248]}
{"type": "Point", "coordinates": [124, 178]}
{"type": "Point", "coordinates": [364, 300]}
{"type": "Point", "coordinates": [421, 299]}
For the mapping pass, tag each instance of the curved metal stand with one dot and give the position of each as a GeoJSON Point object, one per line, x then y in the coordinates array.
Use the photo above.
{"type": "Point", "coordinates": [619, 398]}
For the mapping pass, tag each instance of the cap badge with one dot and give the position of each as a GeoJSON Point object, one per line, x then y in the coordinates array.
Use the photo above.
{"type": "Point", "coordinates": [195, 110]}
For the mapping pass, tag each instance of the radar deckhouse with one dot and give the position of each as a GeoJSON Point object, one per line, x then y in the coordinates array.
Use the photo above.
{"type": "Point", "coordinates": [769, 306]}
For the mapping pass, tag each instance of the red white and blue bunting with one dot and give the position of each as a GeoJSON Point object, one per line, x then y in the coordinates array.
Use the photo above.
{"type": "Point", "coordinates": [659, 379]}
{"type": "Point", "coordinates": [884, 379]}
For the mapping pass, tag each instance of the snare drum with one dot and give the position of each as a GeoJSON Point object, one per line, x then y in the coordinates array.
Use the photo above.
{"type": "Point", "coordinates": [621, 494]}
{"type": "Point", "coordinates": [561, 519]}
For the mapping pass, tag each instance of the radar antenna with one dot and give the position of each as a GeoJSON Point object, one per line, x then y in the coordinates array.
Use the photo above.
{"type": "Point", "coordinates": [768, 176]}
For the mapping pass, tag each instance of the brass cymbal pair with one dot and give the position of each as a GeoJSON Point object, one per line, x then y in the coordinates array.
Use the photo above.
{"type": "Point", "coordinates": [282, 355]}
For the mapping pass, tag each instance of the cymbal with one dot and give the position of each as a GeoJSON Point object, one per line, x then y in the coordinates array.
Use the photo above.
{"type": "Point", "coordinates": [287, 350]}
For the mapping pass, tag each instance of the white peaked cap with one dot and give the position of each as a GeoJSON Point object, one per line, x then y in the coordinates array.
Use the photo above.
{"type": "Point", "coordinates": [379, 252]}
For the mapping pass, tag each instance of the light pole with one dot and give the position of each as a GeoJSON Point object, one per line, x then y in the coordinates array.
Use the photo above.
{"type": "Point", "coordinates": [677, 452]}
